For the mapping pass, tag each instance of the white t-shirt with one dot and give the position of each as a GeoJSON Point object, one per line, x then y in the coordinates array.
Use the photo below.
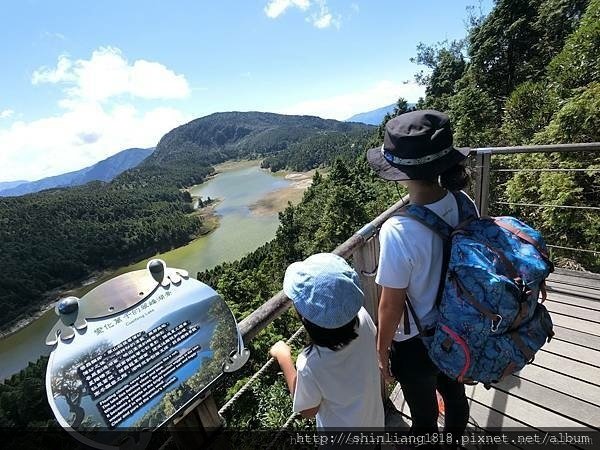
{"type": "Point", "coordinates": [411, 257]}
{"type": "Point", "coordinates": [345, 383]}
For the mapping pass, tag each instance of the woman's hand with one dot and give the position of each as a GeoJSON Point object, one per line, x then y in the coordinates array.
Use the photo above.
{"type": "Point", "coordinates": [384, 366]}
{"type": "Point", "coordinates": [391, 308]}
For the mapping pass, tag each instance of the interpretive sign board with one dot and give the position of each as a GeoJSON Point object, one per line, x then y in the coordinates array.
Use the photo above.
{"type": "Point", "coordinates": [134, 351]}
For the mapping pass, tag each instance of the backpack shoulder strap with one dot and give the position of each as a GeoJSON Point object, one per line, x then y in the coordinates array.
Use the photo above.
{"type": "Point", "coordinates": [428, 218]}
{"type": "Point", "coordinates": [439, 226]}
{"type": "Point", "coordinates": [466, 209]}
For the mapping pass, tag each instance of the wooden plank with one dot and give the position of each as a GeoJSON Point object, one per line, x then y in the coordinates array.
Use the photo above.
{"type": "Point", "coordinates": [398, 400]}
{"type": "Point", "coordinates": [569, 367]}
{"type": "Point", "coordinates": [575, 324]}
{"type": "Point", "coordinates": [574, 311]}
{"type": "Point", "coordinates": [364, 260]}
{"type": "Point", "coordinates": [573, 277]}
{"type": "Point", "coordinates": [573, 300]}
{"type": "Point", "coordinates": [575, 409]}
{"type": "Point", "coordinates": [480, 415]}
{"type": "Point", "coordinates": [581, 291]}
{"type": "Point", "coordinates": [483, 416]}
{"type": "Point", "coordinates": [574, 351]}
{"type": "Point", "coordinates": [576, 337]}
{"type": "Point", "coordinates": [561, 382]}
{"type": "Point", "coordinates": [521, 410]}
{"type": "Point", "coordinates": [198, 423]}
{"type": "Point", "coordinates": [480, 418]}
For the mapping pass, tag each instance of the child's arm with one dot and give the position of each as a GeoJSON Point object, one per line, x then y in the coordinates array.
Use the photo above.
{"type": "Point", "coordinates": [282, 353]}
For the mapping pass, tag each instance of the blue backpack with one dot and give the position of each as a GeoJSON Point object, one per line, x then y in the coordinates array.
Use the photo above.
{"type": "Point", "coordinates": [490, 321]}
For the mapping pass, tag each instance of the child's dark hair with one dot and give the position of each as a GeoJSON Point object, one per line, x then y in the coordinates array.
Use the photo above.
{"type": "Point", "coordinates": [455, 178]}
{"type": "Point", "coordinates": [332, 338]}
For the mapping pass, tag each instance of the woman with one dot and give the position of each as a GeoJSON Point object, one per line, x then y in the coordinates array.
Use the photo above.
{"type": "Point", "coordinates": [417, 152]}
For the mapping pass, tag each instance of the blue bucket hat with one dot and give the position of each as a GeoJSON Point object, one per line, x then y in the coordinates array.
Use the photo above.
{"type": "Point", "coordinates": [324, 289]}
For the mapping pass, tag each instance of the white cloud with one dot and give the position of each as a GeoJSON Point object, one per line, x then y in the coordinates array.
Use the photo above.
{"type": "Point", "coordinates": [343, 106]}
{"type": "Point", "coordinates": [277, 7]}
{"type": "Point", "coordinates": [322, 21]}
{"type": "Point", "coordinates": [323, 18]}
{"type": "Point", "coordinates": [51, 35]}
{"type": "Point", "coordinates": [79, 137]}
{"type": "Point", "coordinates": [319, 14]}
{"type": "Point", "coordinates": [98, 118]}
{"type": "Point", "coordinates": [108, 74]}
{"type": "Point", "coordinates": [6, 113]}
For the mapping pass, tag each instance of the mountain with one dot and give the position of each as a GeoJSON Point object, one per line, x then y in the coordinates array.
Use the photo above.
{"type": "Point", "coordinates": [220, 136]}
{"type": "Point", "coordinates": [104, 170]}
{"type": "Point", "coordinates": [11, 184]}
{"type": "Point", "coordinates": [376, 116]}
{"type": "Point", "coordinates": [372, 117]}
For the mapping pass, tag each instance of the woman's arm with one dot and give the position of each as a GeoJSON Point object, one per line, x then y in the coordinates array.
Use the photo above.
{"type": "Point", "coordinates": [391, 308]}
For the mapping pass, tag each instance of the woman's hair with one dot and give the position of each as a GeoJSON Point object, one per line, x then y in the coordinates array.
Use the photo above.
{"type": "Point", "coordinates": [455, 178]}
{"type": "Point", "coordinates": [332, 338]}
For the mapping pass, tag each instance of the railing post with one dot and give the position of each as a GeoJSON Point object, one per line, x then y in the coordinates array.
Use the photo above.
{"type": "Point", "coordinates": [365, 259]}
{"type": "Point", "coordinates": [482, 181]}
{"type": "Point", "coordinates": [198, 424]}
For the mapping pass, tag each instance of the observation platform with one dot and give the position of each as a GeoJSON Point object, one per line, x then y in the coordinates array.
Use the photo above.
{"type": "Point", "coordinates": [558, 391]}
{"type": "Point", "coordinates": [561, 388]}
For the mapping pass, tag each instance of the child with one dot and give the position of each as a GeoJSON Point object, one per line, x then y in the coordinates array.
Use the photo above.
{"type": "Point", "coordinates": [338, 378]}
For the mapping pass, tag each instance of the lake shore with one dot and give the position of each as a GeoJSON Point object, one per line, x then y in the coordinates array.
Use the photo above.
{"type": "Point", "coordinates": [277, 201]}
{"type": "Point", "coordinates": [271, 203]}
{"type": "Point", "coordinates": [210, 222]}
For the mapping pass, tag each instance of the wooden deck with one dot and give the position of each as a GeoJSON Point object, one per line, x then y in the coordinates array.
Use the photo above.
{"type": "Point", "coordinates": [561, 388]}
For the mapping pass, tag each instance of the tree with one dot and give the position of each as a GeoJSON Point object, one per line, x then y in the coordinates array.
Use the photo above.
{"type": "Point", "coordinates": [555, 21]}
{"type": "Point", "coordinates": [474, 117]}
{"type": "Point", "coordinates": [502, 48]}
{"type": "Point", "coordinates": [528, 109]}
{"type": "Point", "coordinates": [578, 64]}
{"type": "Point", "coordinates": [400, 108]}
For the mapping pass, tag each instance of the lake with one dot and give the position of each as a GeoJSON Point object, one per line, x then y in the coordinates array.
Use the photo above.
{"type": "Point", "coordinates": [240, 232]}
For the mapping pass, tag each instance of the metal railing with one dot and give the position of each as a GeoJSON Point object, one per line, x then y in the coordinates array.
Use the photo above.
{"type": "Point", "coordinates": [363, 247]}
{"type": "Point", "coordinates": [484, 171]}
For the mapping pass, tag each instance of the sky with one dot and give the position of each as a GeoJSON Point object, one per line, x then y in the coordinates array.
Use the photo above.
{"type": "Point", "coordinates": [83, 80]}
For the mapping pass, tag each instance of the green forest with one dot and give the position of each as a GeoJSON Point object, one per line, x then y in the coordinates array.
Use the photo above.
{"type": "Point", "coordinates": [526, 73]}
{"type": "Point", "coordinates": [56, 237]}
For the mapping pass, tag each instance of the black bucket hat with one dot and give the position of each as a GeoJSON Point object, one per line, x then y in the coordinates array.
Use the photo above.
{"type": "Point", "coordinates": [416, 146]}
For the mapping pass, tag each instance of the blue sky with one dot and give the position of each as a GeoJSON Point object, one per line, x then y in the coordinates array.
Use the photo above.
{"type": "Point", "coordinates": [83, 80]}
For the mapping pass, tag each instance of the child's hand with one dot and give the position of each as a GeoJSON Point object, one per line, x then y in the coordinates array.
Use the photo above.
{"type": "Point", "coordinates": [280, 350]}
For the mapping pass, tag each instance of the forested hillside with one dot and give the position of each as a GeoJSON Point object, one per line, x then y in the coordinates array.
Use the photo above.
{"type": "Point", "coordinates": [527, 73]}
{"type": "Point", "coordinates": [55, 237]}
{"type": "Point", "coordinates": [233, 135]}
{"type": "Point", "coordinates": [60, 236]}
{"type": "Point", "coordinates": [320, 150]}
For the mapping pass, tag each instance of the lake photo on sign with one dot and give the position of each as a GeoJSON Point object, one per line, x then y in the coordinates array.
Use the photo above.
{"type": "Point", "coordinates": [142, 361]}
